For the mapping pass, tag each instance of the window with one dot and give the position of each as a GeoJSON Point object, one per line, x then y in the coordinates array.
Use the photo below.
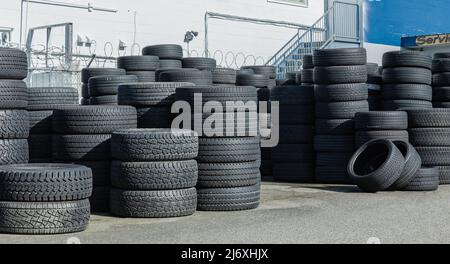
{"type": "Point", "coordinates": [303, 3]}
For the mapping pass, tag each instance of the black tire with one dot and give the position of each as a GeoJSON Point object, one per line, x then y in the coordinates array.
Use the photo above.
{"type": "Point", "coordinates": [153, 204]}
{"type": "Point", "coordinates": [14, 124]}
{"type": "Point", "coordinates": [45, 182]}
{"type": "Point", "coordinates": [340, 159]}
{"type": "Point", "coordinates": [293, 94]}
{"type": "Point", "coordinates": [104, 100]}
{"type": "Point", "coordinates": [428, 117]}
{"type": "Point", "coordinates": [149, 94]}
{"type": "Point", "coordinates": [88, 73]}
{"type": "Point", "coordinates": [407, 75]}
{"type": "Point", "coordinates": [442, 55]}
{"type": "Point", "coordinates": [256, 80]}
{"type": "Point", "coordinates": [441, 104]}
{"type": "Point", "coordinates": [101, 171]}
{"type": "Point", "coordinates": [226, 175]}
{"type": "Point", "coordinates": [108, 85]}
{"type": "Point", "coordinates": [307, 76]}
{"type": "Point", "coordinates": [13, 64]}
{"type": "Point", "coordinates": [335, 126]}
{"type": "Point", "coordinates": [40, 146]}
{"type": "Point", "coordinates": [407, 92]}
{"type": "Point", "coordinates": [375, 79]}
{"type": "Point", "coordinates": [93, 119]}
{"type": "Point", "coordinates": [308, 62]}
{"type": "Point", "coordinates": [266, 169]}
{"type": "Point", "coordinates": [426, 179]}
{"type": "Point", "coordinates": [164, 51]}
{"type": "Point", "coordinates": [13, 94]}
{"type": "Point", "coordinates": [81, 147]}
{"type": "Point", "coordinates": [396, 105]}
{"type": "Point", "coordinates": [13, 151]}
{"type": "Point", "coordinates": [362, 137]}
{"type": "Point", "coordinates": [39, 218]}
{"type": "Point", "coordinates": [413, 162]}
{"type": "Point", "coordinates": [143, 76]}
{"type": "Point", "coordinates": [341, 92]}
{"type": "Point", "coordinates": [441, 94]}
{"type": "Point", "coordinates": [441, 65]}
{"type": "Point", "coordinates": [40, 122]}
{"type": "Point", "coordinates": [406, 58]}
{"type": "Point", "coordinates": [199, 63]}
{"type": "Point", "coordinates": [340, 74]}
{"type": "Point", "coordinates": [327, 143]}
{"type": "Point", "coordinates": [332, 175]}
{"type": "Point", "coordinates": [444, 175]}
{"type": "Point", "coordinates": [100, 199]}
{"type": "Point", "coordinates": [196, 77]}
{"type": "Point", "coordinates": [85, 90]}
{"type": "Point", "coordinates": [296, 134]}
{"type": "Point", "coordinates": [372, 69]}
{"type": "Point", "coordinates": [293, 172]}
{"type": "Point", "coordinates": [376, 165]}
{"type": "Point", "coordinates": [338, 57]}
{"type": "Point", "coordinates": [170, 64]}
{"type": "Point", "coordinates": [296, 114]}
{"type": "Point", "coordinates": [157, 175]}
{"type": "Point", "coordinates": [438, 137]}
{"type": "Point", "coordinates": [228, 199]}
{"type": "Point", "coordinates": [293, 153]}
{"type": "Point", "coordinates": [226, 150]}
{"type": "Point", "coordinates": [441, 79]}
{"type": "Point", "coordinates": [154, 144]}
{"type": "Point", "coordinates": [340, 110]}
{"type": "Point", "coordinates": [268, 71]}
{"type": "Point", "coordinates": [159, 71]}
{"type": "Point", "coordinates": [242, 124]}
{"type": "Point", "coordinates": [293, 78]}
{"type": "Point", "coordinates": [434, 156]}
{"type": "Point", "coordinates": [85, 101]}
{"type": "Point", "coordinates": [224, 75]}
{"type": "Point", "coordinates": [381, 120]}
{"type": "Point", "coordinates": [154, 117]}
{"type": "Point", "coordinates": [138, 63]}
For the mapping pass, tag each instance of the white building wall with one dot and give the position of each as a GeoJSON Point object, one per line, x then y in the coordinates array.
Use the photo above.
{"type": "Point", "coordinates": [166, 21]}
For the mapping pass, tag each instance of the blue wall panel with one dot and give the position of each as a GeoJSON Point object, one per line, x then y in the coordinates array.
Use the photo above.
{"type": "Point", "coordinates": [386, 21]}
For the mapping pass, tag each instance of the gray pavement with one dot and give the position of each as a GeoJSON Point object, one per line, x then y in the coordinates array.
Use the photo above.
{"type": "Point", "coordinates": [288, 213]}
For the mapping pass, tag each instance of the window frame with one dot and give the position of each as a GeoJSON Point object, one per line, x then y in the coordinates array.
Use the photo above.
{"type": "Point", "coordinates": [286, 2]}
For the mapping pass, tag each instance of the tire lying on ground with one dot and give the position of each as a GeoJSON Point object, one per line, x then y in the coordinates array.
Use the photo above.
{"type": "Point", "coordinates": [228, 199]}
{"type": "Point", "coordinates": [376, 165]}
{"type": "Point", "coordinates": [13, 64]}
{"type": "Point", "coordinates": [426, 179]}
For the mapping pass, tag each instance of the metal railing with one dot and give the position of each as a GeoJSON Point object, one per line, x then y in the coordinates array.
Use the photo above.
{"type": "Point", "coordinates": [342, 21]}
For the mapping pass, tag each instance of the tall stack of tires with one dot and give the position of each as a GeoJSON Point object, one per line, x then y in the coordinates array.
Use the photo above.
{"type": "Point", "coordinates": [154, 173]}
{"type": "Point", "coordinates": [44, 198]}
{"type": "Point", "coordinates": [307, 77]}
{"type": "Point", "coordinates": [374, 83]}
{"type": "Point", "coordinates": [14, 119]}
{"type": "Point", "coordinates": [429, 132]}
{"type": "Point", "coordinates": [169, 55]}
{"type": "Point", "coordinates": [82, 136]}
{"type": "Point", "coordinates": [104, 89]}
{"type": "Point", "coordinates": [391, 125]}
{"type": "Point", "coordinates": [153, 102]}
{"type": "Point", "coordinates": [293, 158]}
{"type": "Point", "coordinates": [88, 73]}
{"type": "Point", "coordinates": [406, 80]}
{"type": "Point", "coordinates": [43, 100]}
{"type": "Point", "coordinates": [143, 67]}
{"type": "Point", "coordinates": [441, 80]}
{"type": "Point", "coordinates": [229, 154]}
{"type": "Point", "coordinates": [340, 77]}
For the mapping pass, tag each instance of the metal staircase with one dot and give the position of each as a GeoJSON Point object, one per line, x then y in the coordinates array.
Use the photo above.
{"type": "Point", "coordinates": [340, 26]}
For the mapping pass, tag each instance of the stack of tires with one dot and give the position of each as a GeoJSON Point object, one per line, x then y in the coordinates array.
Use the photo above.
{"type": "Point", "coordinates": [14, 119]}
{"type": "Point", "coordinates": [224, 77]}
{"type": "Point", "coordinates": [153, 102]}
{"type": "Point", "coordinates": [43, 100]}
{"type": "Point", "coordinates": [44, 198]}
{"type": "Point", "coordinates": [406, 80]}
{"type": "Point", "coordinates": [88, 73]}
{"type": "Point", "coordinates": [104, 89]}
{"type": "Point", "coordinates": [293, 158]}
{"type": "Point", "coordinates": [169, 55]}
{"type": "Point", "coordinates": [441, 80]}
{"type": "Point", "coordinates": [154, 173]}
{"type": "Point", "coordinates": [374, 83]}
{"type": "Point", "coordinates": [391, 125]}
{"type": "Point", "coordinates": [307, 77]}
{"type": "Point", "coordinates": [340, 77]}
{"type": "Point", "coordinates": [229, 153]}
{"type": "Point", "coordinates": [82, 136]}
{"type": "Point", "coordinates": [429, 132]}
{"type": "Point", "coordinates": [143, 67]}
